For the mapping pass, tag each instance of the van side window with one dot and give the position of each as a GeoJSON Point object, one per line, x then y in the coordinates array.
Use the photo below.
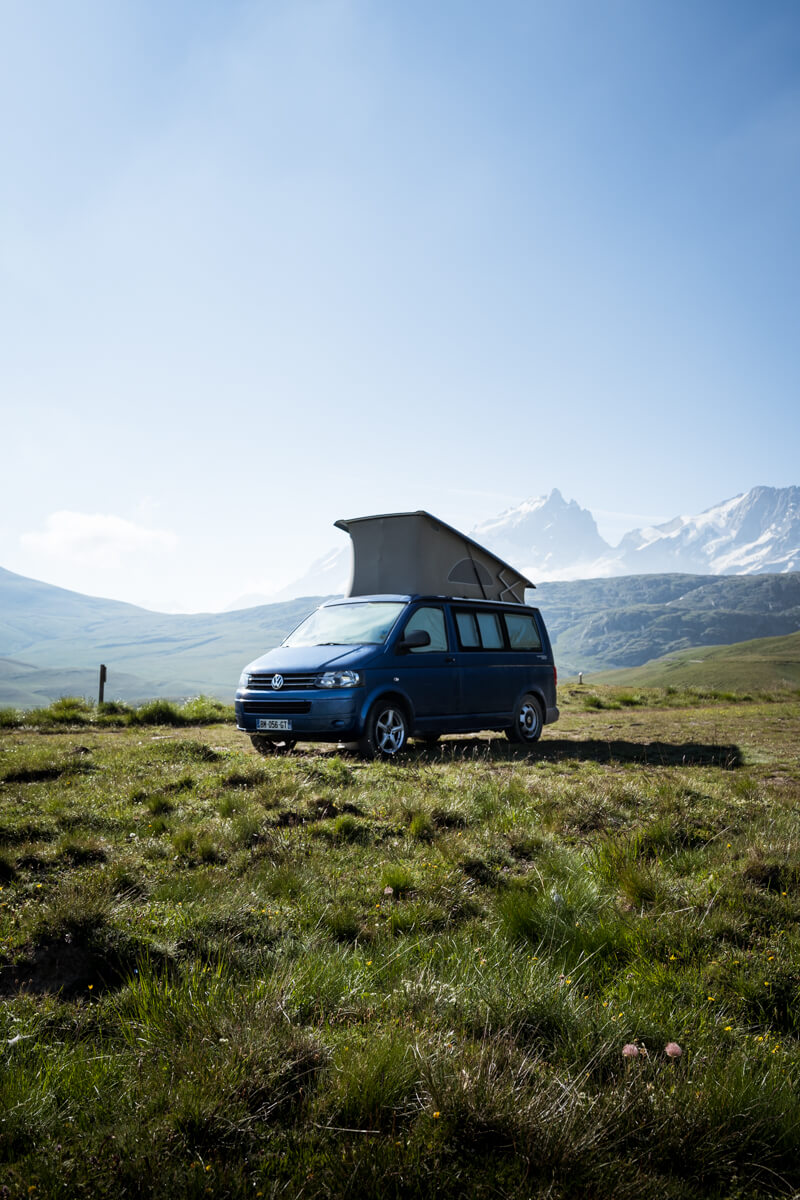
{"type": "Point", "coordinates": [479, 630]}
{"type": "Point", "coordinates": [432, 620]}
{"type": "Point", "coordinates": [490, 631]}
{"type": "Point", "coordinates": [467, 631]}
{"type": "Point", "coordinates": [522, 632]}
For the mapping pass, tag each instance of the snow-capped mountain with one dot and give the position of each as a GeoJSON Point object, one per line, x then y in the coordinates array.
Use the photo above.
{"type": "Point", "coordinates": [752, 534]}
{"type": "Point", "coordinates": [555, 538]}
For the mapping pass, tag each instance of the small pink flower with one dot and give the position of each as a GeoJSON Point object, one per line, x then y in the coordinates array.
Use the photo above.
{"type": "Point", "coordinates": [630, 1051]}
{"type": "Point", "coordinates": [673, 1050]}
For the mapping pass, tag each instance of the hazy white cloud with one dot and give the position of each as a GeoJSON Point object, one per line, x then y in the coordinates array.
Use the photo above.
{"type": "Point", "coordinates": [96, 539]}
{"type": "Point", "coordinates": [632, 520]}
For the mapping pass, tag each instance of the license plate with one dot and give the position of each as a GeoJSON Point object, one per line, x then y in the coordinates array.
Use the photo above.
{"type": "Point", "coordinates": [273, 723]}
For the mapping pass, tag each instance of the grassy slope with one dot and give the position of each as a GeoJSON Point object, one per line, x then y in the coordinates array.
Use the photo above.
{"type": "Point", "coordinates": [759, 665]}
{"type": "Point", "coordinates": [209, 989]}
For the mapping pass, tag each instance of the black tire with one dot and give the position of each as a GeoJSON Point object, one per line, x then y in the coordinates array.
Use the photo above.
{"type": "Point", "coordinates": [528, 722]}
{"type": "Point", "coordinates": [268, 745]}
{"type": "Point", "coordinates": [386, 731]}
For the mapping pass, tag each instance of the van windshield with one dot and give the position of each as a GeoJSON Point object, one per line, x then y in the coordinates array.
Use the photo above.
{"type": "Point", "coordinates": [347, 625]}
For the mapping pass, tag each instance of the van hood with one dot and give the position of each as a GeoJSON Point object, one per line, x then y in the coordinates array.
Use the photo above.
{"type": "Point", "coordinates": [312, 658]}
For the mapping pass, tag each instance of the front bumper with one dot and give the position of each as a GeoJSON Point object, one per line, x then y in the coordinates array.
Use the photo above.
{"type": "Point", "coordinates": [314, 715]}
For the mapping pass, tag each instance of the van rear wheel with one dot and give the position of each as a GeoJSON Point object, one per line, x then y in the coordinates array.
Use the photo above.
{"type": "Point", "coordinates": [266, 745]}
{"type": "Point", "coordinates": [528, 722]}
{"type": "Point", "coordinates": [386, 730]}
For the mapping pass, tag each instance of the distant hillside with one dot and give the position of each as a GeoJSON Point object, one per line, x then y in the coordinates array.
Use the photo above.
{"type": "Point", "coordinates": [761, 665]}
{"type": "Point", "coordinates": [25, 686]}
{"type": "Point", "coordinates": [597, 624]}
{"type": "Point", "coordinates": [52, 641]}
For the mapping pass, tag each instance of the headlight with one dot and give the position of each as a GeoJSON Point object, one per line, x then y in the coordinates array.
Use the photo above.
{"type": "Point", "coordinates": [339, 679]}
{"type": "Point", "coordinates": [244, 680]}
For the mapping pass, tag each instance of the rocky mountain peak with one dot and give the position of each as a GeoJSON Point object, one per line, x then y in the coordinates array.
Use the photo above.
{"type": "Point", "coordinates": [547, 534]}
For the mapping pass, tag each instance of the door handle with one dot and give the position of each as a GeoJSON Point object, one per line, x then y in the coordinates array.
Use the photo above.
{"type": "Point", "coordinates": [449, 658]}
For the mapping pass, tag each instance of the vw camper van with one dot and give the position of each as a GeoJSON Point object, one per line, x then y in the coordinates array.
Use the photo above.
{"type": "Point", "coordinates": [375, 670]}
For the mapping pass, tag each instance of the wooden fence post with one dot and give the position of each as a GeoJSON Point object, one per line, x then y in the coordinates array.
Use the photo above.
{"type": "Point", "coordinates": [102, 683]}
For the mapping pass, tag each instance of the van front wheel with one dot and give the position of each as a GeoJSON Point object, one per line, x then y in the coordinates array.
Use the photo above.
{"type": "Point", "coordinates": [386, 731]}
{"type": "Point", "coordinates": [528, 722]}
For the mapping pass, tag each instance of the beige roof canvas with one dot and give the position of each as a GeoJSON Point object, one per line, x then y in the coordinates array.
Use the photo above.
{"type": "Point", "coordinates": [410, 553]}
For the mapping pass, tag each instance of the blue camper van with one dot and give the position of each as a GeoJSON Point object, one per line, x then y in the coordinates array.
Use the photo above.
{"type": "Point", "coordinates": [377, 669]}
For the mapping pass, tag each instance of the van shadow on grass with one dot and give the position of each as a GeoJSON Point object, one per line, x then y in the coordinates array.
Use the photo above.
{"type": "Point", "coordinates": [616, 750]}
{"type": "Point", "coordinates": [81, 963]}
{"type": "Point", "coordinates": [68, 970]}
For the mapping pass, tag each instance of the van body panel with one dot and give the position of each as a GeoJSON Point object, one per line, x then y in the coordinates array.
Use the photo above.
{"type": "Point", "coordinates": [290, 659]}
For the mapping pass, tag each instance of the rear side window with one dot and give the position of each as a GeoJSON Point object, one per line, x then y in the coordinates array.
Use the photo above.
{"type": "Point", "coordinates": [523, 633]}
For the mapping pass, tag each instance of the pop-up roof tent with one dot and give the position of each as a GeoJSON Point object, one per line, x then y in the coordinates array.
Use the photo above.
{"type": "Point", "coordinates": [415, 553]}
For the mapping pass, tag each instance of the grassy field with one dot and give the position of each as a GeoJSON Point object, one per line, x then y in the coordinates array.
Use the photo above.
{"type": "Point", "coordinates": [471, 973]}
{"type": "Point", "coordinates": [765, 663]}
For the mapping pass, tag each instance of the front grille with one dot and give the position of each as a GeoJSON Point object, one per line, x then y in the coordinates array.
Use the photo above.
{"type": "Point", "coordinates": [294, 682]}
{"type": "Point", "coordinates": [273, 707]}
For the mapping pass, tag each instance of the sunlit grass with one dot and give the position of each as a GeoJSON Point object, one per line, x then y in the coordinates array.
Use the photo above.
{"type": "Point", "coordinates": [313, 976]}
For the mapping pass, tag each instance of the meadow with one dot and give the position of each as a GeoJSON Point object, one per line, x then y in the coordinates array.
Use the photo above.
{"type": "Point", "coordinates": [474, 972]}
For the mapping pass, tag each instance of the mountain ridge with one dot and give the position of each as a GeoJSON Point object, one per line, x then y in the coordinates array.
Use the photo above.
{"type": "Point", "coordinates": [752, 533]}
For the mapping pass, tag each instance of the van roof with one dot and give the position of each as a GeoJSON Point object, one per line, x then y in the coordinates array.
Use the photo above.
{"type": "Point", "coordinates": [405, 599]}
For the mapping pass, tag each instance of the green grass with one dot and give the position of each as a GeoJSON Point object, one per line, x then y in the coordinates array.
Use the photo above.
{"type": "Point", "coordinates": [73, 711]}
{"type": "Point", "coordinates": [762, 665]}
{"type": "Point", "coordinates": [313, 976]}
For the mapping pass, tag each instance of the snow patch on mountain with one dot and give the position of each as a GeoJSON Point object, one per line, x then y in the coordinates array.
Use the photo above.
{"type": "Point", "coordinates": [755, 532]}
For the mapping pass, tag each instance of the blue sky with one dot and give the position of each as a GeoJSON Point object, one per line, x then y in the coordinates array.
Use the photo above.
{"type": "Point", "coordinates": [267, 264]}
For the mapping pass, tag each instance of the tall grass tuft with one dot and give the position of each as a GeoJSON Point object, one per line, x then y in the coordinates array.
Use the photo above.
{"type": "Point", "coordinates": [371, 1083]}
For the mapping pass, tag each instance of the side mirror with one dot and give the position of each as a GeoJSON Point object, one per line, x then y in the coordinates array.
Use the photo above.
{"type": "Point", "coordinates": [415, 639]}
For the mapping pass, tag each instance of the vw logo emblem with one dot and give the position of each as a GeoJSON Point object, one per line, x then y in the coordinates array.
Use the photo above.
{"type": "Point", "coordinates": [277, 681]}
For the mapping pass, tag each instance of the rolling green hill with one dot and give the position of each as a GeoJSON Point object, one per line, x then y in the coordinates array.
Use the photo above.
{"type": "Point", "coordinates": [52, 642]}
{"type": "Point", "coordinates": [760, 665]}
